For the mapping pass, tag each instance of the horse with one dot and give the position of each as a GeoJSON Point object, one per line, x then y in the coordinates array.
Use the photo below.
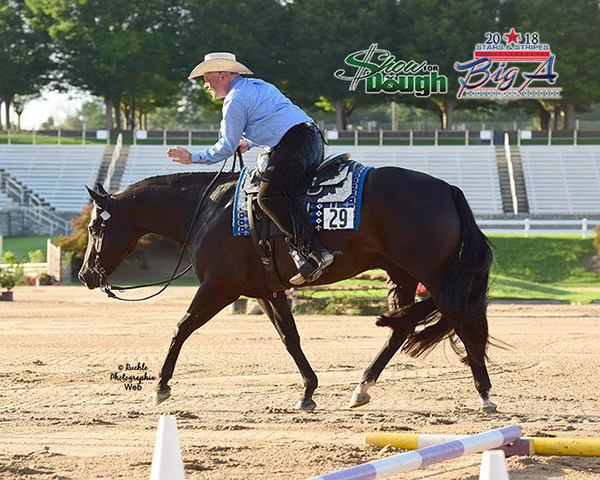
{"type": "Point", "coordinates": [416, 227]}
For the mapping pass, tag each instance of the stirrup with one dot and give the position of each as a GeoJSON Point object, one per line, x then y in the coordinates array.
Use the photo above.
{"type": "Point", "coordinates": [303, 265]}
{"type": "Point", "coordinates": [325, 259]}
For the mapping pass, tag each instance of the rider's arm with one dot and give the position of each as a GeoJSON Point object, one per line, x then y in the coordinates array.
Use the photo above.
{"type": "Point", "coordinates": [232, 127]}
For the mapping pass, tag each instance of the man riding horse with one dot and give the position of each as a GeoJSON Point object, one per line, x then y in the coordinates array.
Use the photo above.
{"type": "Point", "coordinates": [256, 113]}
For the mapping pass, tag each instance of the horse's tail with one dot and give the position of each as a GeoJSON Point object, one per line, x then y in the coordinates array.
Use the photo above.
{"type": "Point", "coordinates": [461, 294]}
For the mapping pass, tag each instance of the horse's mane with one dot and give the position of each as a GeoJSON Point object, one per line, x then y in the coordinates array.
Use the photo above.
{"type": "Point", "coordinates": [196, 180]}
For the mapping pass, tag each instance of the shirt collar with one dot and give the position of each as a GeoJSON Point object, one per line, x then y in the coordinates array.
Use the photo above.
{"type": "Point", "coordinates": [233, 82]}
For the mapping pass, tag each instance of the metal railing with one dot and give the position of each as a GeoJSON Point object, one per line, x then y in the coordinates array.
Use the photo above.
{"type": "Point", "coordinates": [12, 187]}
{"type": "Point", "coordinates": [113, 162]}
{"type": "Point", "coordinates": [527, 226]}
{"type": "Point", "coordinates": [33, 207]}
{"type": "Point", "coordinates": [44, 217]}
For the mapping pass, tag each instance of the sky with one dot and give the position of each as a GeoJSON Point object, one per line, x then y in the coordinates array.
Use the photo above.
{"type": "Point", "coordinates": [51, 103]}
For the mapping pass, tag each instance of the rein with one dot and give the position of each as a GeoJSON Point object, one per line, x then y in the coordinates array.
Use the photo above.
{"type": "Point", "coordinates": [108, 289]}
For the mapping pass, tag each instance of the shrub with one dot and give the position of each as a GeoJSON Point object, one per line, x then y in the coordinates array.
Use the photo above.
{"type": "Point", "coordinates": [36, 256]}
{"type": "Point", "coordinates": [597, 240]}
{"type": "Point", "coordinates": [13, 273]}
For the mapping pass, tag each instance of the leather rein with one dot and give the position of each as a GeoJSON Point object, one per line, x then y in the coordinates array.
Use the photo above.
{"type": "Point", "coordinates": [99, 269]}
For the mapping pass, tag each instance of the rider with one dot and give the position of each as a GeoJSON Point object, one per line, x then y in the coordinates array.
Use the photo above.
{"type": "Point", "coordinates": [257, 113]}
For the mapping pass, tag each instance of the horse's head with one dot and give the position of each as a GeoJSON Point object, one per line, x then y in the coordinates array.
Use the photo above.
{"type": "Point", "coordinates": [111, 237]}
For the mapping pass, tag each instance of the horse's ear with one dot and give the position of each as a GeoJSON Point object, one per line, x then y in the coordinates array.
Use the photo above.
{"type": "Point", "coordinates": [99, 199]}
{"type": "Point", "coordinates": [101, 189]}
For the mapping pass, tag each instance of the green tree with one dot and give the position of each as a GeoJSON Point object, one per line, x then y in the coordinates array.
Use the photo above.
{"type": "Point", "coordinates": [444, 32]}
{"type": "Point", "coordinates": [321, 35]}
{"type": "Point", "coordinates": [254, 30]}
{"type": "Point", "coordinates": [119, 51]}
{"type": "Point", "coordinates": [25, 54]}
{"type": "Point", "coordinates": [572, 32]}
{"type": "Point", "coordinates": [91, 113]}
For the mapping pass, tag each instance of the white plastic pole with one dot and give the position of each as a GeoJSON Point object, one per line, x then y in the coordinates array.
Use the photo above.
{"type": "Point", "coordinates": [424, 457]}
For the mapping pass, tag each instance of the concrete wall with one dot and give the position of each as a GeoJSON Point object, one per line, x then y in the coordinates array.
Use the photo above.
{"type": "Point", "coordinates": [12, 222]}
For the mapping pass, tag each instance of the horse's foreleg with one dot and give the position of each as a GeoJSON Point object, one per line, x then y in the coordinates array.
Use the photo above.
{"type": "Point", "coordinates": [206, 304]}
{"type": "Point", "coordinates": [401, 292]}
{"type": "Point", "coordinates": [280, 314]}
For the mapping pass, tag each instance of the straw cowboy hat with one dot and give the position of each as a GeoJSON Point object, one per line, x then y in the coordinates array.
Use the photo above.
{"type": "Point", "coordinates": [219, 62]}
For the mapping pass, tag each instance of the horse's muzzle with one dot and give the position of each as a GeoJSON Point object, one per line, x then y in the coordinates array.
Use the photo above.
{"type": "Point", "coordinates": [89, 278]}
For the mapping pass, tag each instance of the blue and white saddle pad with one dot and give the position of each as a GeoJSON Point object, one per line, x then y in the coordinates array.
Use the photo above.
{"type": "Point", "coordinates": [333, 201]}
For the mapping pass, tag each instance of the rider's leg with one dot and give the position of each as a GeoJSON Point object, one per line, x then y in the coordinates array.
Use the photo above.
{"type": "Point", "coordinates": [290, 168]}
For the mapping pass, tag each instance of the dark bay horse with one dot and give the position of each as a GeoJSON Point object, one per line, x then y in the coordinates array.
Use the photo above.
{"type": "Point", "coordinates": [414, 226]}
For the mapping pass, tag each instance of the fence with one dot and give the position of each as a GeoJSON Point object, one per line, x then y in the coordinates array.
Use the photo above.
{"type": "Point", "coordinates": [527, 226]}
{"type": "Point", "coordinates": [369, 136]}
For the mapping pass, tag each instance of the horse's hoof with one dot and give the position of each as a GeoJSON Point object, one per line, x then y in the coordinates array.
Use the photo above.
{"type": "Point", "coordinates": [489, 408]}
{"type": "Point", "coordinates": [359, 399]}
{"type": "Point", "coordinates": [306, 405]}
{"type": "Point", "coordinates": [161, 393]}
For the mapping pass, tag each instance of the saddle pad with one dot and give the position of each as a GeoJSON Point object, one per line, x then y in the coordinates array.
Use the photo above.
{"type": "Point", "coordinates": [325, 213]}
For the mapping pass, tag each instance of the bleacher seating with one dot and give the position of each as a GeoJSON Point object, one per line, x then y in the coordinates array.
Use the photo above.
{"type": "Point", "coordinates": [56, 173]}
{"type": "Point", "coordinates": [150, 160]}
{"type": "Point", "coordinates": [562, 179]}
{"type": "Point", "coordinates": [472, 168]}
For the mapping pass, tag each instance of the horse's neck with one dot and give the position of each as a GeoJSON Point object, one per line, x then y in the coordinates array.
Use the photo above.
{"type": "Point", "coordinates": [170, 217]}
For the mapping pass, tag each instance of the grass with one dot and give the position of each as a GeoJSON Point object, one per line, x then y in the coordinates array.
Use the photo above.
{"type": "Point", "coordinates": [21, 246]}
{"type": "Point", "coordinates": [27, 139]}
{"type": "Point", "coordinates": [557, 260]}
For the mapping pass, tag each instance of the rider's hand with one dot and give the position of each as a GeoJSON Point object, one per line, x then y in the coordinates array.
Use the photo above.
{"type": "Point", "coordinates": [180, 155]}
{"type": "Point", "coordinates": [244, 147]}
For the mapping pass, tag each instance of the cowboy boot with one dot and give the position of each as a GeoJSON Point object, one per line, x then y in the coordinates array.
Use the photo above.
{"type": "Point", "coordinates": [307, 271]}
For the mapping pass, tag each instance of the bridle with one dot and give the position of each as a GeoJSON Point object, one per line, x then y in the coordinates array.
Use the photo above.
{"type": "Point", "coordinates": [105, 215]}
{"type": "Point", "coordinates": [98, 268]}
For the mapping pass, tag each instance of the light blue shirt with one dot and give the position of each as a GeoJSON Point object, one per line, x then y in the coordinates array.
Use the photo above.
{"type": "Point", "coordinates": [256, 111]}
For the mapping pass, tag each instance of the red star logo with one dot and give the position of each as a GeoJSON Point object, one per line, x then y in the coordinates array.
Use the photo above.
{"type": "Point", "coordinates": [512, 36]}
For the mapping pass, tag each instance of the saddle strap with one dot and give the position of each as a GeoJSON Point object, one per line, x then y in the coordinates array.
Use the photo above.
{"type": "Point", "coordinates": [264, 247]}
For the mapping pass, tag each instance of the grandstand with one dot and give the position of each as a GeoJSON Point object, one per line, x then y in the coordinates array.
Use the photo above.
{"type": "Point", "coordinates": [55, 173]}
{"type": "Point", "coordinates": [150, 160]}
{"type": "Point", "coordinates": [552, 181]}
{"type": "Point", "coordinates": [562, 180]}
{"type": "Point", "coordinates": [472, 168]}
{"type": "Point", "coordinates": [6, 201]}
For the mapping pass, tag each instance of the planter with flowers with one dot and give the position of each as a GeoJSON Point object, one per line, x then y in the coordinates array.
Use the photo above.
{"type": "Point", "coordinates": [11, 273]}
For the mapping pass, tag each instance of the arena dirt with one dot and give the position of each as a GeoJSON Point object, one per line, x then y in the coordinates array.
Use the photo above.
{"type": "Point", "coordinates": [63, 417]}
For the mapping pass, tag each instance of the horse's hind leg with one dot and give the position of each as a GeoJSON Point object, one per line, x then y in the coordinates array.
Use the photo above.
{"type": "Point", "coordinates": [475, 345]}
{"type": "Point", "coordinates": [278, 310]}
{"type": "Point", "coordinates": [401, 292]}
{"type": "Point", "coordinates": [206, 304]}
